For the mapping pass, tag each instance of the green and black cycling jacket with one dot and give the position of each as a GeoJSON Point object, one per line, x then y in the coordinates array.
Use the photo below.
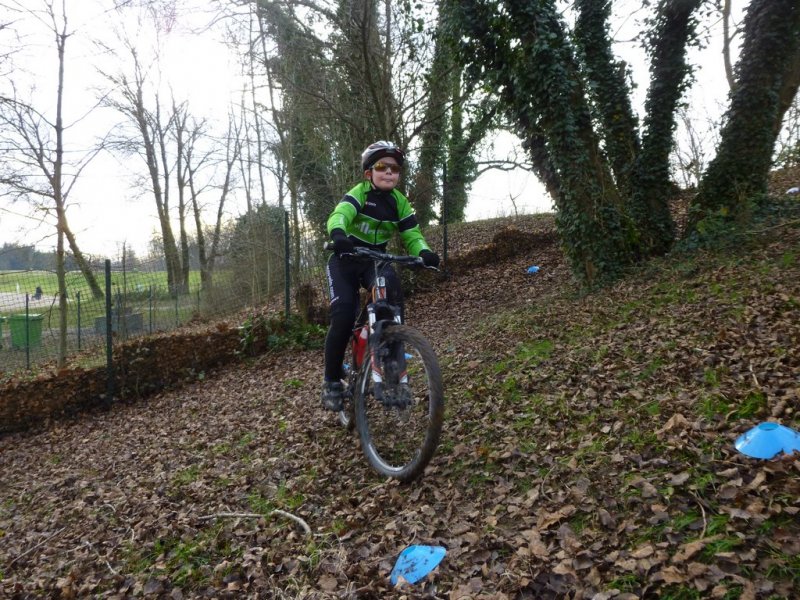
{"type": "Point", "coordinates": [370, 217]}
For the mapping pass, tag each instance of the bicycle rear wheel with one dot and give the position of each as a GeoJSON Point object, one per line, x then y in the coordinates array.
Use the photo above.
{"type": "Point", "coordinates": [400, 441]}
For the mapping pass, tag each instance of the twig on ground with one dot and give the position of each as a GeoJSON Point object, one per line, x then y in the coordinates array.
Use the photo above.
{"type": "Point", "coordinates": [363, 590]}
{"type": "Point", "coordinates": [110, 568]}
{"type": "Point", "coordinates": [703, 511]}
{"type": "Point", "coordinates": [283, 513]}
{"type": "Point", "coordinates": [40, 544]}
{"type": "Point", "coordinates": [755, 379]}
{"type": "Point", "coordinates": [232, 515]}
{"type": "Point", "coordinates": [544, 479]}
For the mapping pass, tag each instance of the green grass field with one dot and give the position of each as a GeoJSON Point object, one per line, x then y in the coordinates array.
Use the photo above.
{"type": "Point", "coordinates": [128, 281]}
{"type": "Point", "coordinates": [142, 296]}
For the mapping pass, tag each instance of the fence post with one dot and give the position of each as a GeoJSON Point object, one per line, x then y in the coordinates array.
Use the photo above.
{"type": "Point", "coordinates": [78, 297]}
{"type": "Point", "coordinates": [109, 339]}
{"type": "Point", "coordinates": [27, 332]}
{"type": "Point", "coordinates": [150, 309]}
{"type": "Point", "coordinates": [120, 312]}
{"type": "Point", "coordinates": [444, 213]}
{"type": "Point", "coordinates": [286, 262]}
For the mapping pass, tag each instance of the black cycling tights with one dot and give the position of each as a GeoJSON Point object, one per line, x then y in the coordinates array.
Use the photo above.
{"type": "Point", "coordinates": [345, 278]}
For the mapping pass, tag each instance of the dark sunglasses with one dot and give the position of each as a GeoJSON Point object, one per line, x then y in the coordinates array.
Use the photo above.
{"type": "Point", "coordinates": [381, 167]}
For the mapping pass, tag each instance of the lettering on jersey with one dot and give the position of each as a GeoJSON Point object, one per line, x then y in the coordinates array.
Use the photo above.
{"type": "Point", "coordinates": [330, 284]}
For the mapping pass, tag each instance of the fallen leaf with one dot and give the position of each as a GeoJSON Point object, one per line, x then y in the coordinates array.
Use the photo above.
{"type": "Point", "coordinates": [328, 583]}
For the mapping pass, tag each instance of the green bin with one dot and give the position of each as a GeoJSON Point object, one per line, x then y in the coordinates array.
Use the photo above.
{"type": "Point", "coordinates": [18, 325]}
{"type": "Point", "coordinates": [2, 320]}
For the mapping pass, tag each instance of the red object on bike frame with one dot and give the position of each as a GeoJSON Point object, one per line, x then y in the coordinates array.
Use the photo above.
{"type": "Point", "coordinates": [360, 344]}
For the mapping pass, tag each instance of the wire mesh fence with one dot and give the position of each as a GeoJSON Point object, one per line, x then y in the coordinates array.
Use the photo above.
{"type": "Point", "coordinates": [130, 297]}
{"type": "Point", "coordinates": [142, 302]}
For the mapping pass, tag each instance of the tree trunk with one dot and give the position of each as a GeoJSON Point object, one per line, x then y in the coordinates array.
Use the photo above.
{"type": "Point", "coordinates": [171, 252]}
{"type": "Point", "coordinates": [180, 117]}
{"type": "Point", "coordinates": [461, 146]}
{"type": "Point", "coordinates": [609, 88]}
{"type": "Point", "coordinates": [726, 43]}
{"type": "Point", "coordinates": [58, 196]}
{"type": "Point", "coordinates": [61, 359]}
{"type": "Point", "coordinates": [589, 208]}
{"type": "Point", "coordinates": [149, 127]}
{"type": "Point", "coordinates": [652, 185]}
{"type": "Point", "coordinates": [788, 91]}
{"type": "Point", "coordinates": [205, 272]}
{"type": "Point", "coordinates": [424, 191]}
{"type": "Point", "coordinates": [83, 264]}
{"type": "Point", "coordinates": [766, 76]}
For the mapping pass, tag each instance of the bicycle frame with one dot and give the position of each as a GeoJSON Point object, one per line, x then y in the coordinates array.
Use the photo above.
{"type": "Point", "coordinates": [377, 312]}
{"type": "Point", "coordinates": [380, 312]}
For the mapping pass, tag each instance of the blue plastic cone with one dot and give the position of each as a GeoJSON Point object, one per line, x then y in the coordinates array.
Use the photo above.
{"type": "Point", "coordinates": [767, 440]}
{"type": "Point", "coordinates": [415, 562]}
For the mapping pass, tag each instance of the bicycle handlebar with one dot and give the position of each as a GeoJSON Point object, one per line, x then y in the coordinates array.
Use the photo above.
{"type": "Point", "coordinates": [362, 252]}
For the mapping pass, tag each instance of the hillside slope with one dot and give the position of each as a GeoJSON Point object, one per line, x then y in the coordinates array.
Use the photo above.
{"type": "Point", "coordinates": [587, 453]}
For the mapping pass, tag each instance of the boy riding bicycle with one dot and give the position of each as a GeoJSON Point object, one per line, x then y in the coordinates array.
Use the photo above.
{"type": "Point", "coordinates": [368, 215]}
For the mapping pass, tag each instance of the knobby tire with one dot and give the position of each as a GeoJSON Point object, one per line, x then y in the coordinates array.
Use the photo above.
{"type": "Point", "coordinates": [379, 427]}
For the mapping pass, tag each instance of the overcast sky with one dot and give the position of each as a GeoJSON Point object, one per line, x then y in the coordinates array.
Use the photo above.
{"type": "Point", "coordinates": [107, 209]}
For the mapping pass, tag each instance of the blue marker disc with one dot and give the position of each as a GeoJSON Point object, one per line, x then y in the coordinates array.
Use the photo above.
{"type": "Point", "coordinates": [415, 562]}
{"type": "Point", "coordinates": [767, 440]}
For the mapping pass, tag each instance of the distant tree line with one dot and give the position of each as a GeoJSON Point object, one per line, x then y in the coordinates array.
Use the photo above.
{"type": "Point", "coordinates": [17, 257]}
{"type": "Point", "coordinates": [27, 258]}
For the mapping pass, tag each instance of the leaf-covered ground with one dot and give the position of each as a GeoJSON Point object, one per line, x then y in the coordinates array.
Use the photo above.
{"type": "Point", "coordinates": [587, 453]}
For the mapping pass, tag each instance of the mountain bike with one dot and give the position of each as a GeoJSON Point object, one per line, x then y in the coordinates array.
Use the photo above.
{"type": "Point", "coordinates": [394, 396]}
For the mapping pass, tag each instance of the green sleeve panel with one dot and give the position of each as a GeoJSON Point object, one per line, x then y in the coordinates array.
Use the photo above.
{"type": "Point", "coordinates": [346, 211]}
{"type": "Point", "coordinates": [412, 237]}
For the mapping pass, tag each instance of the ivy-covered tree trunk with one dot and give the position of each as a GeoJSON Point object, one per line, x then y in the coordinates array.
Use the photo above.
{"type": "Point", "coordinates": [424, 189]}
{"type": "Point", "coordinates": [609, 89]}
{"type": "Point", "coordinates": [536, 74]}
{"type": "Point", "coordinates": [454, 193]}
{"type": "Point", "coordinates": [788, 93]}
{"type": "Point", "coordinates": [569, 98]}
{"type": "Point", "coordinates": [738, 174]}
{"type": "Point", "coordinates": [651, 185]}
{"type": "Point", "coordinates": [452, 129]}
{"type": "Point", "coordinates": [464, 139]}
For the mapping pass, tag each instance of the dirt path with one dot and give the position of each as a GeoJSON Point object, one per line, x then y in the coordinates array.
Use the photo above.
{"type": "Point", "coordinates": [15, 302]}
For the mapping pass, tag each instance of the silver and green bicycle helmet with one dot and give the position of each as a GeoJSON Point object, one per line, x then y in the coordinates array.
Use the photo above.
{"type": "Point", "coordinates": [378, 150]}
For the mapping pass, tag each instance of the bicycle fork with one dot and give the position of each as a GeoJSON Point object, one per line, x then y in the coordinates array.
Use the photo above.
{"type": "Point", "coordinates": [380, 355]}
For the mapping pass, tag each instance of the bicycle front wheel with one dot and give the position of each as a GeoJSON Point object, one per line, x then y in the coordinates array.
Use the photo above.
{"type": "Point", "coordinates": [399, 432]}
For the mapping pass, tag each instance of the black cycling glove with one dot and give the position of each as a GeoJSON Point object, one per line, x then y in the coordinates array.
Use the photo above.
{"type": "Point", "coordinates": [341, 243]}
{"type": "Point", "coordinates": [431, 259]}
